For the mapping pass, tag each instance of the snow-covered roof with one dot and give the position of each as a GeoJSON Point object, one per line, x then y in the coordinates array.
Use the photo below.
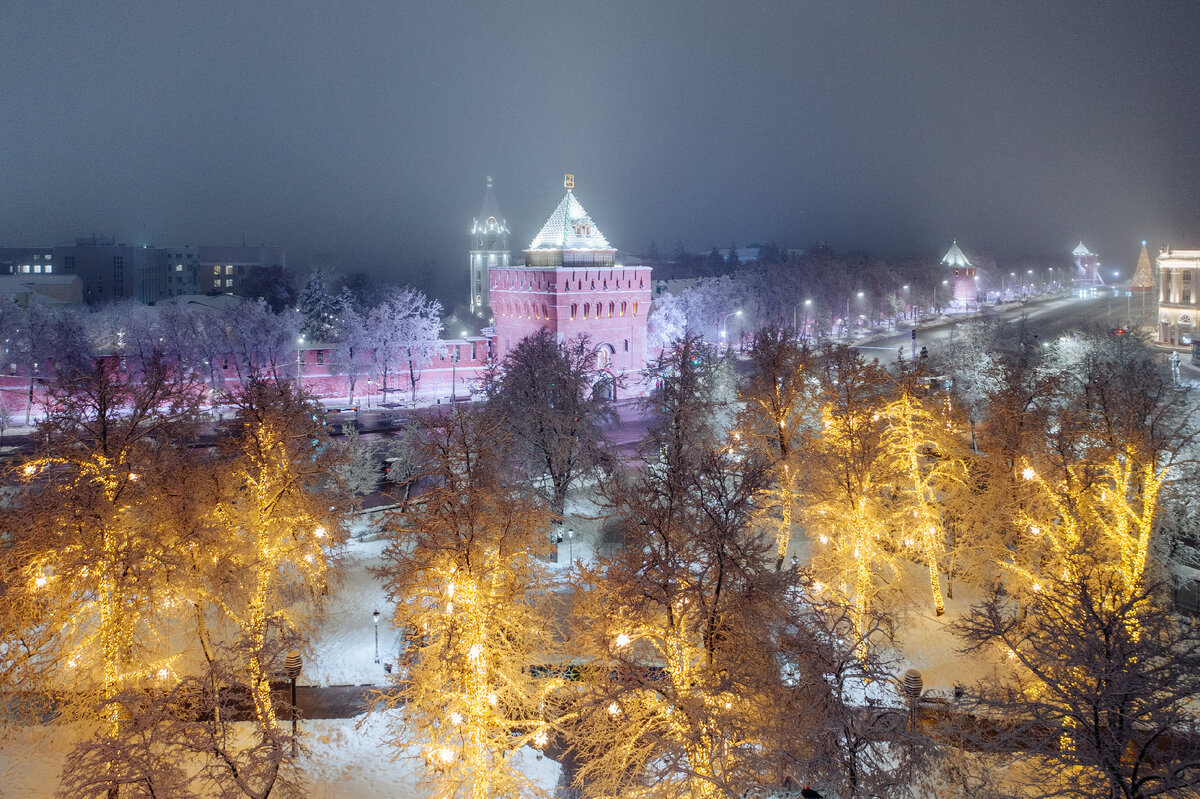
{"type": "Point", "coordinates": [1081, 250]}
{"type": "Point", "coordinates": [570, 228]}
{"type": "Point", "coordinates": [955, 257]}
{"type": "Point", "coordinates": [490, 220]}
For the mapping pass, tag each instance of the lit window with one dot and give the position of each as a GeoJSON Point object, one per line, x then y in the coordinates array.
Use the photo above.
{"type": "Point", "coordinates": [216, 270]}
{"type": "Point", "coordinates": [37, 268]}
{"type": "Point", "coordinates": [178, 267]}
{"type": "Point", "coordinates": [49, 268]}
{"type": "Point", "coordinates": [25, 268]}
{"type": "Point", "coordinates": [635, 307]}
{"type": "Point", "coordinates": [228, 282]}
{"type": "Point", "coordinates": [229, 269]}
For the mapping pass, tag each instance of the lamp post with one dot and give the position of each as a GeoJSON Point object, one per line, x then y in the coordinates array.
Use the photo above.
{"type": "Point", "coordinates": [292, 665]}
{"type": "Point", "coordinates": [375, 616]}
{"type": "Point", "coordinates": [453, 374]}
{"type": "Point", "coordinates": [571, 544]}
{"type": "Point", "coordinates": [860, 296]}
{"type": "Point", "coordinates": [907, 307]}
{"type": "Point", "coordinates": [299, 362]}
{"type": "Point", "coordinates": [725, 338]}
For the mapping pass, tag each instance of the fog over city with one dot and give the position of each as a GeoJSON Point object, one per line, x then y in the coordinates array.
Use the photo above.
{"type": "Point", "coordinates": [361, 135]}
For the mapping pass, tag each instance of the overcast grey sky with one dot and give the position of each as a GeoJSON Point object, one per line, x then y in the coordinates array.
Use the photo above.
{"type": "Point", "coordinates": [367, 129]}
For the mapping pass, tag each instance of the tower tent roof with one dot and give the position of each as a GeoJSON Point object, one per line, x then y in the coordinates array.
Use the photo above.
{"type": "Point", "coordinates": [490, 220]}
{"type": "Point", "coordinates": [1081, 250]}
{"type": "Point", "coordinates": [570, 228]}
{"type": "Point", "coordinates": [955, 256]}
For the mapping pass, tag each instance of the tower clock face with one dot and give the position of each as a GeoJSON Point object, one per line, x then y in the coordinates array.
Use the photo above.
{"type": "Point", "coordinates": [491, 222]}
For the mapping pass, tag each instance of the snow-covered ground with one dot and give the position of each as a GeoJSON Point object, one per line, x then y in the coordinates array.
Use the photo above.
{"type": "Point", "coordinates": [347, 759]}
{"type": "Point", "coordinates": [350, 761]}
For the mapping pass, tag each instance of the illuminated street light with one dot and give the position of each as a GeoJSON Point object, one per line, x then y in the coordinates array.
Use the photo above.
{"type": "Point", "coordinates": [375, 615]}
{"type": "Point", "coordinates": [724, 338]}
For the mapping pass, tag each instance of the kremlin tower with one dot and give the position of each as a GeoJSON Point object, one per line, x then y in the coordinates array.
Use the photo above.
{"type": "Point", "coordinates": [572, 285]}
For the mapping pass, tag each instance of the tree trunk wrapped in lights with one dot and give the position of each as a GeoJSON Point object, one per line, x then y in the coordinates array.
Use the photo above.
{"type": "Point", "coordinates": [475, 678]}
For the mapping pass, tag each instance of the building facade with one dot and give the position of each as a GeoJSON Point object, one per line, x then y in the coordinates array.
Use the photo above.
{"type": "Point", "coordinates": [1178, 301]}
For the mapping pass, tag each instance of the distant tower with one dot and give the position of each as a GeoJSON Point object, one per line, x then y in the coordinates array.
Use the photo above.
{"type": "Point", "coordinates": [965, 288]}
{"type": "Point", "coordinates": [1143, 276]}
{"type": "Point", "coordinates": [489, 249]}
{"type": "Point", "coordinates": [1087, 267]}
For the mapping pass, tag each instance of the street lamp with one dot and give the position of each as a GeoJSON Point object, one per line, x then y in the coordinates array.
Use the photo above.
{"type": "Point", "coordinates": [453, 374]}
{"type": "Point", "coordinates": [292, 665]}
{"type": "Point", "coordinates": [860, 296]}
{"type": "Point", "coordinates": [375, 616]}
{"type": "Point", "coordinates": [724, 338]}
{"type": "Point", "coordinates": [299, 363]}
{"type": "Point", "coordinates": [571, 544]}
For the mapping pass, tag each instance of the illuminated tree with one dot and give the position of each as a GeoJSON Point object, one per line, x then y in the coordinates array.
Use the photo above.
{"type": "Point", "coordinates": [779, 410]}
{"type": "Point", "coordinates": [465, 565]}
{"type": "Point", "coordinates": [99, 514]}
{"type": "Point", "coordinates": [547, 391]}
{"type": "Point", "coordinates": [1116, 434]}
{"type": "Point", "coordinates": [676, 625]}
{"type": "Point", "coordinates": [282, 527]}
{"type": "Point", "coordinates": [923, 446]}
{"type": "Point", "coordinates": [848, 484]}
{"type": "Point", "coordinates": [1096, 688]}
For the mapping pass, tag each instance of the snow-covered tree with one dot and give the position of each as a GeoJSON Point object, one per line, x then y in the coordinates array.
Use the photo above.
{"type": "Point", "coordinates": [350, 355]}
{"type": "Point", "coordinates": [547, 393]}
{"type": "Point", "coordinates": [848, 484]}
{"type": "Point", "coordinates": [1095, 690]}
{"type": "Point", "coordinates": [282, 527]}
{"type": "Point", "coordinates": [319, 308]}
{"type": "Point", "coordinates": [403, 333]}
{"type": "Point", "coordinates": [923, 445]}
{"type": "Point", "coordinates": [103, 521]}
{"type": "Point", "coordinates": [779, 407]}
{"type": "Point", "coordinates": [465, 565]}
{"type": "Point", "coordinates": [681, 615]}
{"type": "Point", "coordinates": [666, 323]}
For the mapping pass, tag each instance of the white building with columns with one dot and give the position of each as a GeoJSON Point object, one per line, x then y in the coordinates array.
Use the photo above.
{"type": "Point", "coordinates": [1178, 297]}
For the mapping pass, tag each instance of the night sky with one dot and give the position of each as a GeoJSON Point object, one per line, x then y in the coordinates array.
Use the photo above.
{"type": "Point", "coordinates": [366, 130]}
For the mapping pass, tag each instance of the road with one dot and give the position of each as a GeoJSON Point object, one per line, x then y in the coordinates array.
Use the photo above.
{"type": "Point", "coordinates": [1046, 318]}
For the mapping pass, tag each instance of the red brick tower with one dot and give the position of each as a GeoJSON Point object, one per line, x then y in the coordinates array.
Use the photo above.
{"type": "Point", "coordinates": [572, 285]}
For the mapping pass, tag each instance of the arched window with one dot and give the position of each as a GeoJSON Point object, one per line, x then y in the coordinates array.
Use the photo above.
{"type": "Point", "coordinates": [587, 306]}
{"type": "Point", "coordinates": [611, 308]}
{"type": "Point", "coordinates": [545, 311]}
{"type": "Point", "coordinates": [574, 310]}
{"type": "Point", "coordinates": [622, 307]}
{"type": "Point", "coordinates": [635, 307]}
